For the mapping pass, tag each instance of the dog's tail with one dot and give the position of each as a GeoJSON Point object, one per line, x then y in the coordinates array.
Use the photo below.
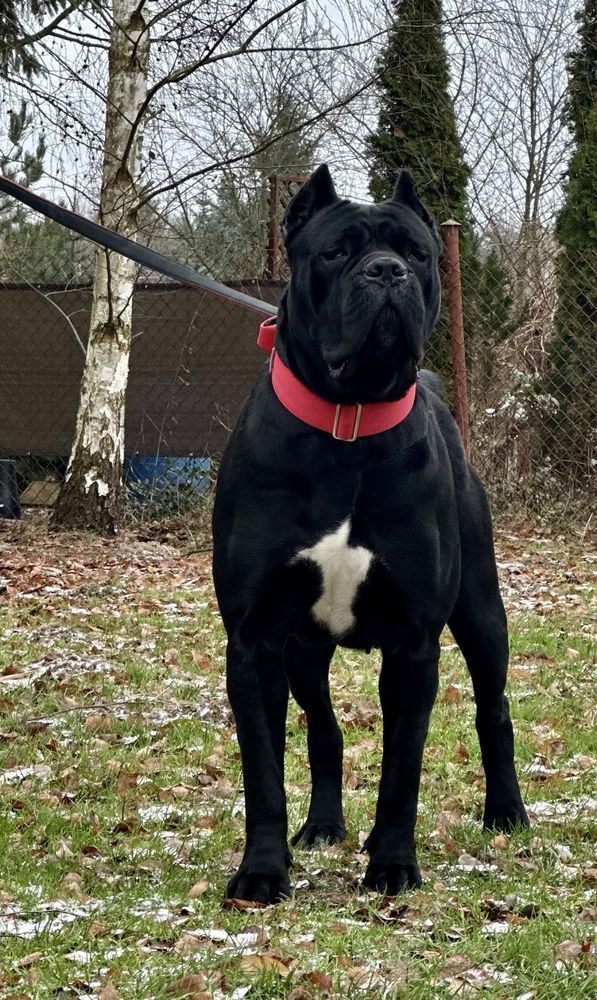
{"type": "Point", "coordinates": [433, 381]}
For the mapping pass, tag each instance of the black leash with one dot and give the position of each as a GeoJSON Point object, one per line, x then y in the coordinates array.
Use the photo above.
{"type": "Point", "coordinates": [128, 248]}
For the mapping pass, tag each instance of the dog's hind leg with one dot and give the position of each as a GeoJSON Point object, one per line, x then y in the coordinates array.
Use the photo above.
{"type": "Point", "coordinates": [407, 687]}
{"type": "Point", "coordinates": [308, 674]}
{"type": "Point", "coordinates": [258, 692]}
{"type": "Point", "coordinates": [479, 626]}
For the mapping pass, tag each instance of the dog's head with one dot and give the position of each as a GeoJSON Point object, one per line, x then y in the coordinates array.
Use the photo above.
{"type": "Point", "coordinates": [364, 293]}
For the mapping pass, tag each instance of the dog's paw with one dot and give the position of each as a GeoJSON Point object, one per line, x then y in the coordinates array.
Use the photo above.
{"type": "Point", "coordinates": [314, 833]}
{"type": "Point", "coordinates": [392, 879]}
{"type": "Point", "coordinates": [258, 887]}
{"type": "Point", "coordinates": [505, 816]}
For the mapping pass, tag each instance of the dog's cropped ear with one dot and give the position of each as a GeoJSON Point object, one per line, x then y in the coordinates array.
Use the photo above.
{"type": "Point", "coordinates": [406, 193]}
{"type": "Point", "coordinates": [316, 193]}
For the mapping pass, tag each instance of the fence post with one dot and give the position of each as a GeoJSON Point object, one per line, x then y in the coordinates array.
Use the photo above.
{"type": "Point", "coordinates": [451, 237]}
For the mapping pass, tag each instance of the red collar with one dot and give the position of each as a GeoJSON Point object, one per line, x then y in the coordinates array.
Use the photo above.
{"type": "Point", "coordinates": [344, 421]}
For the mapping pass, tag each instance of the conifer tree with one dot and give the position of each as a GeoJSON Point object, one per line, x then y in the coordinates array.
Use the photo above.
{"type": "Point", "coordinates": [18, 163]}
{"type": "Point", "coordinates": [573, 351]}
{"type": "Point", "coordinates": [417, 130]}
{"type": "Point", "coordinates": [18, 56]}
{"type": "Point", "coordinates": [417, 125]}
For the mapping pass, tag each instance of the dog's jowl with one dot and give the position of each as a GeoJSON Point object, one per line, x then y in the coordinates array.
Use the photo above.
{"type": "Point", "coordinates": [346, 514]}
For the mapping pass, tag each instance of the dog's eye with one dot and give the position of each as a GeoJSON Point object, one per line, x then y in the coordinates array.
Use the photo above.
{"type": "Point", "coordinates": [334, 253]}
{"type": "Point", "coordinates": [416, 254]}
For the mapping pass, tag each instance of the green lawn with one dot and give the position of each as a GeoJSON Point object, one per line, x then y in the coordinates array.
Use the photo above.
{"type": "Point", "coordinates": [121, 809]}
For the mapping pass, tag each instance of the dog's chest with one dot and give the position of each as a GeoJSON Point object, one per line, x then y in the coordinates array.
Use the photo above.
{"type": "Point", "coordinates": [343, 567]}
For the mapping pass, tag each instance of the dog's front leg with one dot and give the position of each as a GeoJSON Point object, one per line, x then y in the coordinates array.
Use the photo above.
{"type": "Point", "coordinates": [308, 673]}
{"type": "Point", "coordinates": [258, 693]}
{"type": "Point", "coordinates": [408, 686]}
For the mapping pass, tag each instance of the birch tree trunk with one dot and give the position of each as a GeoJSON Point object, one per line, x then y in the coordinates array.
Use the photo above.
{"type": "Point", "coordinates": [90, 497]}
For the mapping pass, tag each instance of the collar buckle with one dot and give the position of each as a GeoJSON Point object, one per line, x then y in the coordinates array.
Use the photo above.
{"type": "Point", "coordinates": [357, 420]}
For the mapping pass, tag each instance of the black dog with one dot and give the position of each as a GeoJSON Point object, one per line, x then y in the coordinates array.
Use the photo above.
{"type": "Point", "coordinates": [373, 532]}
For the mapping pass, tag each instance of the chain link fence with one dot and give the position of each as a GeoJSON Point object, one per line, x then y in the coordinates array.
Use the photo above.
{"type": "Point", "coordinates": [531, 340]}
{"type": "Point", "coordinates": [532, 361]}
{"type": "Point", "coordinates": [194, 360]}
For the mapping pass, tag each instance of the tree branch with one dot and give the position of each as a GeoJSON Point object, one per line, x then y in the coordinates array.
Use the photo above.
{"type": "Point", "coordinates": [259, 149]}
{"type": "Point", "coordinates": [26, 40]}
{"type": "Point", "coordinates": [181, 74]}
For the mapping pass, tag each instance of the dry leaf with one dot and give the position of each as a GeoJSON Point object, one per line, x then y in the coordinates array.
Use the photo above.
{"type": "Point", "coordinates": [243, 904]}
{"type": "Point", "coordinates": [198, 889]}
{"type": "Point", "coordinates": [500, 842]}
{"type": "Point", "coordinates": [63, 850]}
{"type": "Point", "coordinates": [452, 695]}
{"type": "Point", "coordinates": [320, 980]}
{"type": "Point", "coordinates": [567, 951]}
{"type": "Point", "coordinates": [126, 782]}
{"type": "Point", "coordinates": [27, 960]}
{"type": "Point", "coordinates": [108, 992]}
{"type": "Point", "coordinates": [455, 965]}
{"type": "Point", "coordinates": [461, 754]}
{"type": "Point", "coordinates": [189, 986]}
{"type": "Point", "coordinates": [448, 818]}
{"type": "Point", "coordinates": [71, 881]}
{"type": "Point", "coordinates": [188, 943]}
{"type": "Point", "coordinates": [256, 964]}
{"type": "Point", "coordinates": [201, 660]}
{"type": "Point", "coordinates": [98, 723]}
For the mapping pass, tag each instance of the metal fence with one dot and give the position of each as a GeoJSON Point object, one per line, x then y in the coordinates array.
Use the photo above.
{"type": "Point", "coordinates": [532, 360]}
{"type": "Point", "coordinates": [531, 341]}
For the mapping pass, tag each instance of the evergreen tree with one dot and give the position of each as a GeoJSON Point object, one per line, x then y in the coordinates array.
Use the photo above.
{"type": "Point", "coordinates": [417, 130]}
{"type": "Point", "coordinates": [42, 252]}
{"type": "Point", "coordinates": [573, 350]}
{"type": "Point", "coordinates": [417, 125]}
{"type": "Point", "coordinates": [16, 46]}
{"type": "Point", "coordinates": [17, 163]}
{"type": "Point", "coordinates": [17, 55]}
{"type": "Point", "coordinates": [492, 321]}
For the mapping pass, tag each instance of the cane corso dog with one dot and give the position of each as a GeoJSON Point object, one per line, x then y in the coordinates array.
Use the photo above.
{"type": "Point", "coordinates": [346, 514]}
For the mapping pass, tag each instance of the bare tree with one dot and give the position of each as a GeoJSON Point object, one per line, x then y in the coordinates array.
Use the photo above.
{"type": "Point", "coordinates": [191, 44]}
{"type": "Point", "coordinates": [510, 91]}
{"type": "Point", "coordinates": [90, 495]}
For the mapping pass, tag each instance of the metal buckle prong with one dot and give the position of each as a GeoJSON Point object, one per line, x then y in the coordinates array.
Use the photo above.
{"type": "Point", "coordinates": [357, 420]}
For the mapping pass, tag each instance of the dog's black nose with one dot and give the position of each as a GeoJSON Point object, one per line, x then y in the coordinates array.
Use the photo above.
{"type": "Point", "coordinates": [389, 270]}
{"type": "Point", "coordinates": [338, 360]}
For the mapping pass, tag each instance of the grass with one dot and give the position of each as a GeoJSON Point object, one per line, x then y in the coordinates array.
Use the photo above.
{"type": "Point", "coordinates": [120, 791]}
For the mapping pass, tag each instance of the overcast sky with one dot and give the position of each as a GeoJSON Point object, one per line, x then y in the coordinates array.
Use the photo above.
{"type": "Point", "coordinates": [488, 77]}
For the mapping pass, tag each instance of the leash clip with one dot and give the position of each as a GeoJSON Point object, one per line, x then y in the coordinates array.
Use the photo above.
{"type": "Point", "coordinates": [357, 420]}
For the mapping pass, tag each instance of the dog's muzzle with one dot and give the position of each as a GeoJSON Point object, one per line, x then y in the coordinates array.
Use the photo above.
{"type": "Point", "coordinates": [385, 270]}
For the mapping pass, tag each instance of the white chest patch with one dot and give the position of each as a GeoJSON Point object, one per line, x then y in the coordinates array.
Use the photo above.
{"type": "Point", "coordinates": [343, 569]}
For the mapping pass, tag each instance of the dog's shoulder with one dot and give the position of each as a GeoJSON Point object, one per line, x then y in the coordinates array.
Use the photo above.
{"type": "Point", "coordinates": [431, 389]}
{"type": "Point", "coordinates": [469, 488]}
{"type": "Point", "coordinates": [433, 381]}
